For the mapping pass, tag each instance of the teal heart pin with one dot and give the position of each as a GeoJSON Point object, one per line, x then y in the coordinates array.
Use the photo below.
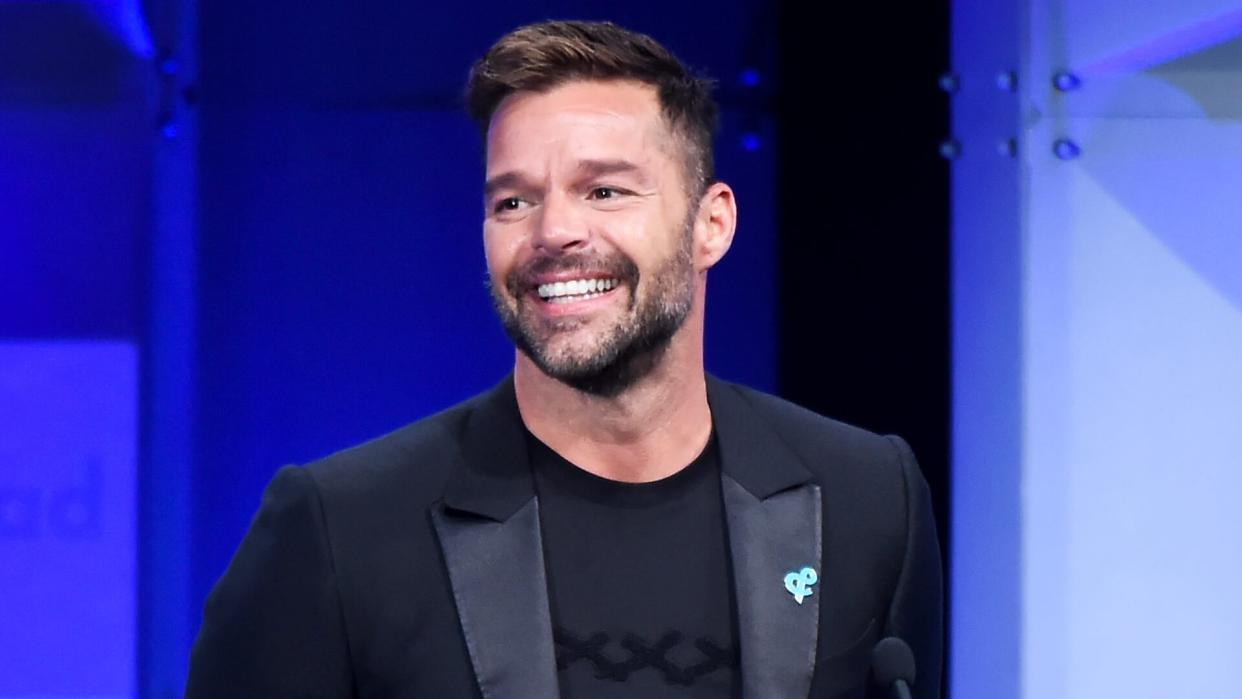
{"type": "Point", "coordinates": [799, 583]}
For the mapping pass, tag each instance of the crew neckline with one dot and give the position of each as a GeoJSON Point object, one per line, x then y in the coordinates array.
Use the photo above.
{"type": "Point", "coordinates": [551, 470]}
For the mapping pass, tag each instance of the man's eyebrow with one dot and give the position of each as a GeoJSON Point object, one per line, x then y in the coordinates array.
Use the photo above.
{"type": "Point", "coordinates": [586, 168]}
{"type": "Point", "coordinates": [505, 180]}
{"type": "Point", "coordinates": [599, 168]}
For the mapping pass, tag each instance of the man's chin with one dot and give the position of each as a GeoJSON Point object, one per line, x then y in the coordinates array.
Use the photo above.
{"type": "Point", "coordinates": [601, 374]}
{"type": "Point", "coordinates": [567, 344]}
{"type": "Point", "coordinates": [567, 366]}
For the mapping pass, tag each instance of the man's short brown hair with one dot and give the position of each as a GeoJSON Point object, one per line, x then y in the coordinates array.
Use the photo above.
{"type": "Point", "coordinates": [539, 57]}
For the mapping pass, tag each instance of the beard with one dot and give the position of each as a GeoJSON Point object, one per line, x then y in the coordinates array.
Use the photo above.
{"type": "Point", "coordinates": [629, 347]}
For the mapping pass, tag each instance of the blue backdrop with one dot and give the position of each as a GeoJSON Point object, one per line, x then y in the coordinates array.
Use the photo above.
{"type": "Point", "coordinates": [240, 235]}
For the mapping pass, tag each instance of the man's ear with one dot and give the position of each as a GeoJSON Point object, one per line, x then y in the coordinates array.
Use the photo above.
{"type": "Point", "coordinates": [714, 225]}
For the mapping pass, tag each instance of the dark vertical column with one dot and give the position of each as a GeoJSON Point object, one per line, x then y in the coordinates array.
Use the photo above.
{"type": "Point", "coordinates": [864, 225]}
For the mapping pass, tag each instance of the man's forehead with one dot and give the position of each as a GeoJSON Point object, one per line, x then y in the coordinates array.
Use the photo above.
{"type": "Point", "coordinates": [588, 121]}
{"type": "Point", "coordinates": [619, 95]}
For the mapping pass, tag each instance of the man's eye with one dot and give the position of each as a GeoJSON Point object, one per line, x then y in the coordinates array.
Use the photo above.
{"type": "Point", "coordinates": [600, 193]}
{"type": "Point", "coordinates": [508, 204]}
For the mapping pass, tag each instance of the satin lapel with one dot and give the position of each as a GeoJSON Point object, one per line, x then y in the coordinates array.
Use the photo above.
{"type": "Point", "coordinates": [774, 514]}
{"type": "Point", "coordinates": [497, 573]}
{"type": "Point", "coordinates": [488, 525]}
{"type": "Point", "coordinates": [769, 539]}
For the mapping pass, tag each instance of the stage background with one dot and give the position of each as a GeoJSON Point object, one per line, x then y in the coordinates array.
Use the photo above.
{"type": "Point", "coordinates": [1097, 344]}
{"type": "Point", "coordinates": [238, 235]}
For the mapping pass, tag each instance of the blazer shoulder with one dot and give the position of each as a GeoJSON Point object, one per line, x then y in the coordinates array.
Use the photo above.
{"type": "Point", "coordinates": [414, 460]}
{"type": "Point", "coordinates": [802, 426]}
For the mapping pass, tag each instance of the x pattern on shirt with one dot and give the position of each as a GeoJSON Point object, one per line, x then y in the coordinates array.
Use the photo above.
{"type": "Point", "coordinates": [570, 649]}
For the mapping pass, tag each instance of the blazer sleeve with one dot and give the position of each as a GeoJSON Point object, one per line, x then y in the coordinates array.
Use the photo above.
{"type": "Point", "coordinates": [272, 626]}
{"type": "Point", "coordinates": [916, 613]}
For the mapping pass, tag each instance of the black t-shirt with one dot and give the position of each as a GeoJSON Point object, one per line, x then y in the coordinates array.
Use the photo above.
{"type": "Point", "coordinates": [638, 581]}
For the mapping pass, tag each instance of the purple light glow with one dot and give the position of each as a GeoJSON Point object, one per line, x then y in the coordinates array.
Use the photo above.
{"type": "Point", "coordinates": [1169, 46]}
{"type": "Point", "coordinates": [125, 21]}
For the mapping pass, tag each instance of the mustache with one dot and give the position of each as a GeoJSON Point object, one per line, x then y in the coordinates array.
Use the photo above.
{"type": "Point", "coordinates": [614, 265]}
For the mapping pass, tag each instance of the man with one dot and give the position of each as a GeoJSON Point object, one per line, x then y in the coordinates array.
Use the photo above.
{"type": "Point", "coordinates": [608, 521]}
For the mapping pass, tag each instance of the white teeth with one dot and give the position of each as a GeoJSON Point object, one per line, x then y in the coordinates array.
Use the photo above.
{"type": "Point", "coordinates": [577, 288]}
{"type": "Point", "coordinates": [571, 299]}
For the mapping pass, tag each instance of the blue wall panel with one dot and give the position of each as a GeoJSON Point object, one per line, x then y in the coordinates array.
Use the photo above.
{"type": "Point", "coordinates": [985, 568]}
{"type": "Point", "coordinates": [341, 293]}
{"type": "Point", "coordinates": [68, 519]}
{"type": "Point", "coordinates": [1132, 339]}
{"type": "Point", "coordinates": [1097, 342]}
{"type": "Point", "coordinates": [75, 171]}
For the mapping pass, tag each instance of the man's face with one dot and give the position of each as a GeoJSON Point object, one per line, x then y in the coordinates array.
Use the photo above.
{"type": "Point", "coordinates": [588, 231]}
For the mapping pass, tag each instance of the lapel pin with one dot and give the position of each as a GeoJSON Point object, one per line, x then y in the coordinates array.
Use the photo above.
{"type": "Point", "coordinates": [799, 583]}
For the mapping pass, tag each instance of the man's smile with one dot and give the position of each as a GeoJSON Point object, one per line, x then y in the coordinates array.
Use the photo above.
{"type": "Point", "coordinates": [576, 295]}
{"type": "Point", "coordinates": [575, 289]}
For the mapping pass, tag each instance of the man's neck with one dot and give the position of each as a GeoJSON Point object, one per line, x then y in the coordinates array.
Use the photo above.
{"type": "Point", "coordinates": [650, 431]}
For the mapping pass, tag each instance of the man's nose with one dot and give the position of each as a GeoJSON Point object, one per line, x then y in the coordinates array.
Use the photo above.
{"type": "Point", "coordinates": [560, 227]}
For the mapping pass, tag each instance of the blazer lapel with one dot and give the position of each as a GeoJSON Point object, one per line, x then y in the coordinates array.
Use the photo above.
{"type": "Point", "coordinates": [488, 526]}
{"type": "Point", "coordinates": [774, 518]}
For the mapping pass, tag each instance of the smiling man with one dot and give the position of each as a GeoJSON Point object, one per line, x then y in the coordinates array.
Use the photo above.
{"type": "Point", "coordinates": [609, 521]}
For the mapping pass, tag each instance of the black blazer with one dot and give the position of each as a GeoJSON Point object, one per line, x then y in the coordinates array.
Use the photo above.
{"type": "Point", "coordinates": [412, 565]}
